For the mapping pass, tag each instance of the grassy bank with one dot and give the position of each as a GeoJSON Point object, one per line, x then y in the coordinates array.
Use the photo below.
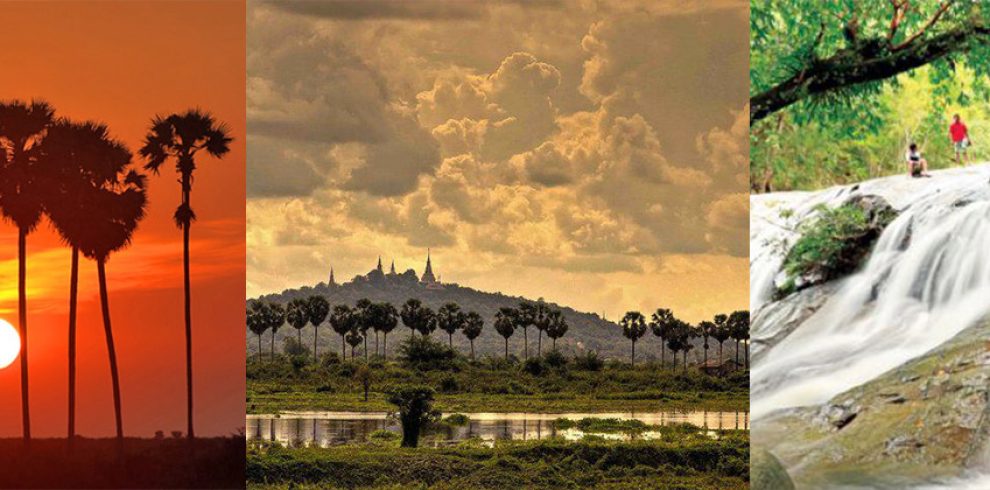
{"type": "Point", "coordinates": [490, 386]}
{"type": "Point", "coordinates": [682, 460]}
{"type": "Point", "coordinates": [144, 463]}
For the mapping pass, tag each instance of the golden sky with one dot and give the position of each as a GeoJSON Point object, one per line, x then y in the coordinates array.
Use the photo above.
{"type": "Point", "coordinates": [122, 62]}
{"type": "Point", "coordinates": [593, 153]}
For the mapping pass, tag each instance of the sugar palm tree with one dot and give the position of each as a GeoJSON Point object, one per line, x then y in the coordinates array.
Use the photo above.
{"type": "Point", "coordinates": [706, 329]}
{"type": "Point", "coordinates": [22, 128]}
{"type": "Point", "coordinates": [412, 314]}
{"type": "Point", "coordinates": [633, 327]}
{"type": "Point", "coordinates": [275, 321]}
{"type": "Point", "coordinates": [342, 321]}
{"type": "Point", "coordinates": [257, 322]}
{"type": "Point", "coordinates": [556, 326]}
{"type": "Point", "coordinates": [722, 332]}
{"type": "Point", "coordinates": [739, 328]}
{"type": "Point", "coordinates": [450, 319]}
{"type": "Point", "coordinates": [388, 318]}
{"type": "Point", "coordinates": [662, 324]}
{"type": "Point", "coordinates": [183, 138]}
{"type": "Point", "coordinates": [75, 160]}
{"type": "Point", "coordinates": [505, 324]}
{"type": "Point", "coordinates": [318, 308]}
{"type": "Point", "coordinates": [364, 319]}
{"type": "Point", "coordinates": [524, 317]}
{"type": "Point", "coordinates": [115, 210]}
{"type": "Point", "coordinates": [473, 323]}
{"type": "Point", "coordinates": [297, 315]}
{"type": "Point", "coordinates": [541, 321]}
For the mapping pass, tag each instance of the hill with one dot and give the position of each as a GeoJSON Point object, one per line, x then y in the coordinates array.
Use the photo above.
{"type": "Point", "coordinates": [588, 331]}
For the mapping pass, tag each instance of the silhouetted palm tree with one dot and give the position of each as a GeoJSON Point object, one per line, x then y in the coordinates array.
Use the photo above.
{"type": "Point", "coordinates": [297, 314]}
{"type": "Point", "coordinates": [706, 329]}
{"type": "Point", "coordinates": [354, 338]}
{"type": "Point", "coordinates": [505, 325]}
{"type": "Point", "coordinates": [364, 319]}
{"type": "Point", "coordinates": [114, 211]}
{"type": "Point", "coordinates": [342, 321]}
{"type": "Point", "coordinates": [540, 321]}
{"type": "Point", "coordinates": [318, 308]}
{"type": "Point", "coordinates": [388, 318]}
{"type": "Point", "coordinates": [633, 327]}
{"type": "Point", "coordinates": [22, 128]}
{"type": "Point", "coordinates": [257, 320]}
{"type": "Point", "coordinates": [556, 326]}
{"type": "Point", "coordinates": [739, 327]}
{"type": "Point", "coordinates": [473, 323]}
{"type": "Point", "coordinates": [275, 321]}
{"type": "Point", "coordinates": [722, 332]}
{"type": "Point", "coordinates": [688, 332]}
{"type": "Point", "coordinates": [662, 323]}
{"type": "Point", "coordinates": [450, 319]}
{"type": "Point", "coordinates": [182, 137]}
{"type": "Point", "coordinates": [412, 314]}
{"type": "Point", "coordinates": [74, 160]}
{"type": "Point", "coordinates": [524, 317]}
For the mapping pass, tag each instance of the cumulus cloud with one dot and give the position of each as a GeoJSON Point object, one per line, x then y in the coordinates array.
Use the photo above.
{"type": "Point", "coordinates": [604, 141]}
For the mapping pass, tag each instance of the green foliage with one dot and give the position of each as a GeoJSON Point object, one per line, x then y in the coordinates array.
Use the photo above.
{"type": "Point", "coordinates": [832, 244]}
{"type": "Point", "coordinates": [861, 131]}
{"type": "Point", "coordinates": [425, 354]}
{"type": "Point", "coordinates": [293, 348]}
{"type": "Point", "coordinates": [589, 361]}
{"type": "Point", "coordinates": [456, 419]}
{"type": "Point", "coordinates": [555, 359]}
{"type": "Point", "coordinates": [534, 366]}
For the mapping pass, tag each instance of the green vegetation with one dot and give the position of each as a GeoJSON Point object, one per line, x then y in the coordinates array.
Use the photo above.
{"type": "Point", "coordinates": [681, 459]}
{"type": "Point", "coordinates": [832, 244]}
{"type": "Point", "coordinates": [550, 383]}
{"type": "Point", "coordinates": [839, 89]}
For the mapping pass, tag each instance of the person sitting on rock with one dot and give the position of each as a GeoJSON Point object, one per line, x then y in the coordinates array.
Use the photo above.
{"type": "Point", "coordinates": [917, 165]}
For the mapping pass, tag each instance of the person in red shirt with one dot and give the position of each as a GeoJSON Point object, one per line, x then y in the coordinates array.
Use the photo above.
{"type": "Point", "coordinates": [960, 138]}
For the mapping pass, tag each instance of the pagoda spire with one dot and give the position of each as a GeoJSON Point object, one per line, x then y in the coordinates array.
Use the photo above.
{"type": "Point", "coordinates": [380, 264]}
{"type": "Point", "coordinates": [332, 281]}
{"type": "Point", "coordinates": [392, 269]}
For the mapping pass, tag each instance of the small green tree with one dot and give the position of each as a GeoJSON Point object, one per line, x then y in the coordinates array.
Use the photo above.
{"type": "Point", "coordinates": [415, 405]}
{"type": "Point", "coordinates": [363, 375]}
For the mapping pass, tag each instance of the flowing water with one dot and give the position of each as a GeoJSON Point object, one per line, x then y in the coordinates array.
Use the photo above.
{"type": "Point", "coordinates": [927, 279]}
{"type": "Point", "coordinates": [331, 428]}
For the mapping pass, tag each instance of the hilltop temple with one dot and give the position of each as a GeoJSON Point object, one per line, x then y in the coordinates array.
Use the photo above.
{"type": "Point", "coordinates": [428, 280]}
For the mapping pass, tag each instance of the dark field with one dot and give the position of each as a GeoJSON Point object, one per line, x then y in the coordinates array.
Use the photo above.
{"type": "Point", "coordinates": [145, 463]}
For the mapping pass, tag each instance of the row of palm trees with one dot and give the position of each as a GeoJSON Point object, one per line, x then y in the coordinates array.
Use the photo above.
{"type": "Point", "coordinates": [85, 182]}
{"type": "Point", "coordinates": [676, 334]}
{"type": "Point", "coordinates": [355, 324]}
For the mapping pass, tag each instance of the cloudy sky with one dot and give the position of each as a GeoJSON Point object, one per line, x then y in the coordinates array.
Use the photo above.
{"type": "Point", "coordinates": [593, 153]}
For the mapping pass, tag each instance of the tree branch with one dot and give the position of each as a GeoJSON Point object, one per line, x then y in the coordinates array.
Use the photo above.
{"type": "Point", "coordinates": [861, 64]}
{"type": "Point", "coordinates": [943, 6]}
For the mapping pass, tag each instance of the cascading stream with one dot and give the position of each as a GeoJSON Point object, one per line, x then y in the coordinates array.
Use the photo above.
{"type": "Point", "coordinates": [927, 279]}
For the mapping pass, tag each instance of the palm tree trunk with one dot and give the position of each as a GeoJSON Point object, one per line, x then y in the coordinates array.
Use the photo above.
{"type": "Point", "coordinates": [539, 342]}
{"type": "Point", "coordinates": [73, 294]}
{"type": "Point", "coordinates": [385, 347]}
{"type": "Point", "coordinates": [737, 352]}
{"type": "Point", "coordinates": [632, 358]}
{"type": "Point", "coordinates": [472, 349]}
{"type": "Point", "coordinates": [720, 354]}
{"type": "Point", "coordinates": [365, 346]}
{"type": "Point", "coordinates": [299, 336]}
{"type": "Point", "coordinates": [22, 320]}
{"type": "Point", "coordinates": [343, 347]}
{"type": "Point", "coordinates": [450, 339]}
{"type": "Point", "coordinates": [111, 351]}
{"type": "Point", "coordinates": [506, 348]}
{"type": "Point", "coordinates": [376, 342]}
{"type": "Point", "coordinates": [188, 297]}
{"type": "Point", "coordinates": [555, 343]}
{"type": "Point", "coordinates": [316, 336]}
{"type": "Point", "coordinates": [260, 353]}
{"type": "Point", "coordinates": [273, 345]}
{"type": "Point", "coordinates": [706, 354]}
{"type": "Point", "coordinates": [661, 353]}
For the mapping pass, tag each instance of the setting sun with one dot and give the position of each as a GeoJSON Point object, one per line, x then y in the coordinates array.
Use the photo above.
{"type": "Point", "coordinates": [10, 343]}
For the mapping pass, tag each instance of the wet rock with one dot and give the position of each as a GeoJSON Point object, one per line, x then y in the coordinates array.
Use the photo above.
{"type": "Point", "coordinates": [766, 472]}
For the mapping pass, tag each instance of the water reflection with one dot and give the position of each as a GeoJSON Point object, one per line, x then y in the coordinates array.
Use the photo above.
{"type": "Point", "coordinates": [332, 428]}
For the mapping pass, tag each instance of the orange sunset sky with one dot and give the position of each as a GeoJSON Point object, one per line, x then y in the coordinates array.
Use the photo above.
{"type": "Point", "coordinates": [121, 63]}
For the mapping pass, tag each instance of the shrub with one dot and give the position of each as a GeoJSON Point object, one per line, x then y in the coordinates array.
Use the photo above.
{"type": "Point", "coordinates": [293, 348]}
{"type": "Point", "coordinates": [589, 361]}
{"type": "Point", "coordinates": [555, 359]}
{"type": "Point", "coordinates": [456, 419]}
{"type": "Point", "coordinates": [533, 366]}
{"type": "Point", "coordinates": [448, 384]}
{"type": "Point", "coordinates": [425, 354]}
{"type": "Point", "coordinates": [329, 359]}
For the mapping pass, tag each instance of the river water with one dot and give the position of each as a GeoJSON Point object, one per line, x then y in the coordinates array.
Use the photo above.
{"type": "Point", "coordinates": [333, 428]}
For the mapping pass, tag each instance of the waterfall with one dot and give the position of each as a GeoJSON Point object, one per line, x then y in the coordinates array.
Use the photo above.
{"type": "Point", "coordinates": [927, 279]}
